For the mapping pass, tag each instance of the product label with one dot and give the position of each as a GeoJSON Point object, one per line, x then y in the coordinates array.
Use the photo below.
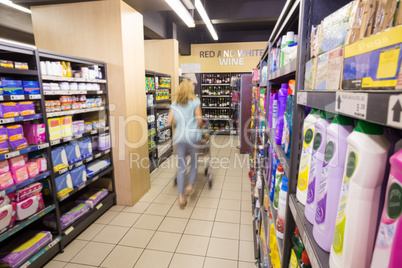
{"type": "Point", "coordinates": [27, 204]}
{"type": "Point", "coordinates": [305, 158]}
{"type": "Point", "coordinates": [313, 169]}
{"type": "Point", "coordinates": [3, 214]}
{"type": "Point", "coordinates": [322, 195]}
{"type": "Point", "coordinates": [285, 135]}
{"type": "Point", "coordinates": [274, 112]}
{"type": "Point", "coordinates": [351, 165]}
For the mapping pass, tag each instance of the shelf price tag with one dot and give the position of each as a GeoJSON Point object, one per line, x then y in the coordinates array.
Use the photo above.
{"type": "Point", "coordinates": [354, 104]}
{"type": "Point", "coordinates": [17, 97]}
{"type": "Point", "coordinates": [34, 97]}
{"type": "Point", "coordinates": [1, 98]}
{"type": "Point", "coordinates": [8, 120]}
{"type": "Point", "coordinates": [93, 132]}
{"type": "Point", "coordinates": [99, 206]}
{"type": "Point", "coordinates": [69, 230]}
{"type": "Point", "coordinates": [301, 98]}
{"type": "Point", "coordinates": [41, 146]}
{"type": "Point", "coordinates": [69, 138]}
{"type": "Point", "coordinates": [98, 155]}
{"type": "Point", "coordinates": [55, 142]}
{"type": "Point", "coordinates": [89, 159]}
{"type": "Point", "coordinates": [12, 154]}
{"type": "Point", "coordinates": [394, 117]}
{"type": "Point", "coordinates": [64, 170]}
{"type": "Point", "coordinates": [78, 164]}
{"type": "Point", "coordinates": [78, 136]}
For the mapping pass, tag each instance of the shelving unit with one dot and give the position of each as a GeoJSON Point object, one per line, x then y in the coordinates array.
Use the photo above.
{"type": "Point", "coordinates": [222, 83]}
{"type": "Point", "coordinates": [159, 107]}
{"type": "Point", "coordinates": [371, 105]}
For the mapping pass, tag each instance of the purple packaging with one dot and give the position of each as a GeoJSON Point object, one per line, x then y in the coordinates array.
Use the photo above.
{"type": "Point", "coordinates": [18, 144]}
{"type": "Point", "coordinates": [282, 96]}
{"type": "Point", "coordinates": [17, 252]}
{"type": "Point", "coordinates": [15, 132]}
{"type": "Point", "coordinates": [92, 197]}
{"type": "Point", "coordinates": [31, 87]}
{"type": "Point", "coordinates": [76, 128]}
{"type": "Point", "coordinates": [26, 108]}
{"type": "Point", "coordinates": [8, 109]}
{"type": "Point", "coordinates": [35, 133]}
{"type": "Point", "coordinates": [81, 127]}
{"type": "Point", "coordinates": [3, 147]}
{"type": "Point", "coordinates": [3, 134]}
{"type": "Point", "coordinates": [67, 218]}
{"type": "Point", "coordinates": [104, 142]}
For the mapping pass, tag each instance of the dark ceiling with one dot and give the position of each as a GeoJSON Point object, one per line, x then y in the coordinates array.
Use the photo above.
{"type": "Point", "coordinates": [234, 21]}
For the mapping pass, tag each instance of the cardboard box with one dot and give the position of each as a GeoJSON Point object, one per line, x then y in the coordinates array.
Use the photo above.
{"type": "Point", "coordinates": [374, 62]}
{"type": "Point", "coordinates": [329, 68]}
{"type": "Point", "coordinates": [309, 76]}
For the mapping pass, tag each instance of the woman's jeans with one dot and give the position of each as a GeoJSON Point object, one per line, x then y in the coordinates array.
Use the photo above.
{"type": "Point", "coordinates": [181, 149]}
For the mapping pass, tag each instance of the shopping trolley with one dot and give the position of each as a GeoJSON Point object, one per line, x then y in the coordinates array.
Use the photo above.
{"type": "Point", "coordinates": [204, 154]}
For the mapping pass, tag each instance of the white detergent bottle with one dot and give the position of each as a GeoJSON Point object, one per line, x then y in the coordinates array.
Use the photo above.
{"type": "Point", "coordinates": [331, 180]}
{"type": "Point", "coordinates": [317, 158]}
{"type": "Point", "coordinates": [308, 135]}
{"type": "Point", "coordinates": [356, 221]}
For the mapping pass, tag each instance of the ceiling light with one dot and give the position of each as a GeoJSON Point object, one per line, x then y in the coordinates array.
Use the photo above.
{"type": "Point", "coordinates": [182, 12]}
{"type": "Point", "coordinates": [11, 4]}
{"type": "Point", "coordinates": [205, 18]}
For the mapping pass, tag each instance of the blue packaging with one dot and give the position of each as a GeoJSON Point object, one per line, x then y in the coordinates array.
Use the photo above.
{"type": "Point", "coordinates": [64, 184]}
{"type": "Point", "coordinates": [59, 159]}
{"type": "Point", "coordinates": [73, 153]}
{"type": "Point", "coordinates": [11, 87]}
{"type": "Point", "coordinates": [275, 164]}
{"type": "Point", "coordinates": [78, 176]}
{"type": "Point", "coordinates": [31, 87]}
{"type": "Point", "coordinates": [97, 166]}
{"type": "Point", "coordinates": [85, 147]}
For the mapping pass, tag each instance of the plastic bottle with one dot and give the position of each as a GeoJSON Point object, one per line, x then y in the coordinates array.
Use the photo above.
{"type": "Point", "coordinates": [270, 109]}
{"type": "Point", "coordinates": [317, 158]}
{"type": "Point", "coordinates": [308, 135]}
{"type": "Point", "coordinates": [288, 119]}
{"type": "Point", "coordinates": [274, 109]}
{"type": "Point", "coordinates": [305, 262]}
{"type": "Point", "coordinates": [282, 95]}
{"type": "Point", "coordinates": [275, 164]}
{"type": "Point", "coordinates": [298, 245]}
{"type": "Point", "coordinates": [280, 220]}
{"type": "Point", "coordinates": [331, 180]}
{"type": "Point", "coordinates": [396, 252]}
{"type": "Point", "coordinates": [278, 179]}
{"type": "Point", "coordinates": [356, 220]}
{"type": "Point", "coordinates": [390, 215]}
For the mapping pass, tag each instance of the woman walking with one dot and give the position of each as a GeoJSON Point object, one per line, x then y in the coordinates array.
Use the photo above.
{"type": "Point", "coordinates": [186, 115]}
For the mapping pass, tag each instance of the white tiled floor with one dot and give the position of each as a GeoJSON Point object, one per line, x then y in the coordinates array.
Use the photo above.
{"type": "Point", "coordinates": [213, 231]}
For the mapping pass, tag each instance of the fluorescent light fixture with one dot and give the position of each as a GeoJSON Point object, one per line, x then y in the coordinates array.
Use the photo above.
{"type": "Point", "coordinates": [11, 4]}
{"type": "Point", "coordinates": [205, 18]}
{"type": "Point", "coordinates": [182, 12]}
{"type": "Point", "coordinates": [188, 4]}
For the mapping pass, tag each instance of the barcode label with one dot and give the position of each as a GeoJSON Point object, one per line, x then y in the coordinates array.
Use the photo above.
{"type": "Point", "coordinates": [8, 120]}
{"type": "Point", "coordinates": [78, 164]}
{"type": "Point", "coordinates": [12, 154]}
{"type": "Point", "coordinates": [99, 91]}
{"type": "Point", "coordinates": [63, 170]}
{"type": "Point", "coordinates": [78, 136]}
{"type": "Point", "coordinates": [69, 230]}
{"type": "Point", "coordinates": [67, 138]}
{"type": "Point", "coordinates": [98, 155]}
{"type": "Point", "coordinates": [64, 197]}
{"type": "Point", "coordinates": [94, 131]}
{"type": "Point", "coordinates": [107, 151]}
{"type": "Point", "coordinates": [89, 159]}
{"type": "Point", "coordinates": [41, 146]}
{"type": "Point", "coordinates": [55, 142]}
{"type": "Point", "coordinates": [99, 206]}
{"type": "Point", "coordinates": [34, 97]}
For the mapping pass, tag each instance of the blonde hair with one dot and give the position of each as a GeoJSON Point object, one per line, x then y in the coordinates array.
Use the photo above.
{"type": "Point", "coordinates": [185, 92]}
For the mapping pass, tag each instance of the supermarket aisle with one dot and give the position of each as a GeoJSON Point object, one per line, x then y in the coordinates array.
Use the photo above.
{"type": "Point", "coordinates": [214, 230]}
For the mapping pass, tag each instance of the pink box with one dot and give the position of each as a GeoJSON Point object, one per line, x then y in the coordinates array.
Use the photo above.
{"type": "Point", "coordinates": [20, 174]}
{"type": "Point", "coordinates": [33, 169]}
{"type": "Point", "coordinates": [16, 162]}
{"type": "Point", "coordinates": [28, 191]}
{"type": "Point", "coordinates": [6, 180]}
{"type": "Point", "coordinates": [7, 199]}
{"type": "Point", "coordinates": [4, 167]}
{"type": "Point", "coordinates": [29, 206]}
{"type": "Point", "coordinates": [41, 162]}
{"type": "Point", "coordinates": [35, 133]}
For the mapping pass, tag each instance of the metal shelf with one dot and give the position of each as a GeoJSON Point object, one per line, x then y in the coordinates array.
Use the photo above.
{"type": "Point", "coordinates": [87, 219]}
{"type": "Point", "coordinates": [279, 152]}
{"type": "Point", "coordinates": [161, 88]}
{"type": "Point", "coordinates": [150, 92]}
{"type": "Point", "coordinates": [285, 71]}
{"type": "Point", "coordinates": [28, 149]}
{"type": "Point", "coordinates": [377, 104]}
{"type": "Point", "coordinates": [89, 181]}
{"type": "Point", "coordinates": [216, 96]}
{"type": "Point", "coordinates": [74, 92]}
{"type": "Point", "coordinates": [318, 257]}
{"type": "Point", "coordinates": [20, 118]}
{"type": "Point", "coordinates": [71, 112]}
{"type": "Point", "coordinates": [72, 79]}
{"type": "Point", "coordinates": [215, 84]}
{"type": "Point", "coordinates": [25, 183]}
{"type": "Point", "coordinates": [82, 162]}
{"type": "Point", "coordinates": [78, 136]}
{"type": "Point", "coordinates": [22, 224]}
{"type": "Point", "coordinates": [13, 71]}
{"type": "Point", "coordinates": [163, 100]}
{"type": "Point", "coordinates": [164, 128]}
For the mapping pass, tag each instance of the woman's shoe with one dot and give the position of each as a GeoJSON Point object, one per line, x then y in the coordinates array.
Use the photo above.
{"type": "Point", "coordinates": [182, 201]}
{"type": "Point", "coordinates": [189, 189]}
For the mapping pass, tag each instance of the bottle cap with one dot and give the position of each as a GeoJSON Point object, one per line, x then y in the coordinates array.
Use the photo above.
{"type": "Point", "coordinates": [305, 258]}
{"type": "Point", "coordinates": [285, 85]}
{"type": "Point", "coordinates": [297, 232]}
{"type": "Point", "coordinates": [342, 120]}
{"type": "Point", "coordinates": [280, 168]}
{"type": "Point", "coordinates": [368, 128]}
{"type": "Point", "coordinates": [315, 111]}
